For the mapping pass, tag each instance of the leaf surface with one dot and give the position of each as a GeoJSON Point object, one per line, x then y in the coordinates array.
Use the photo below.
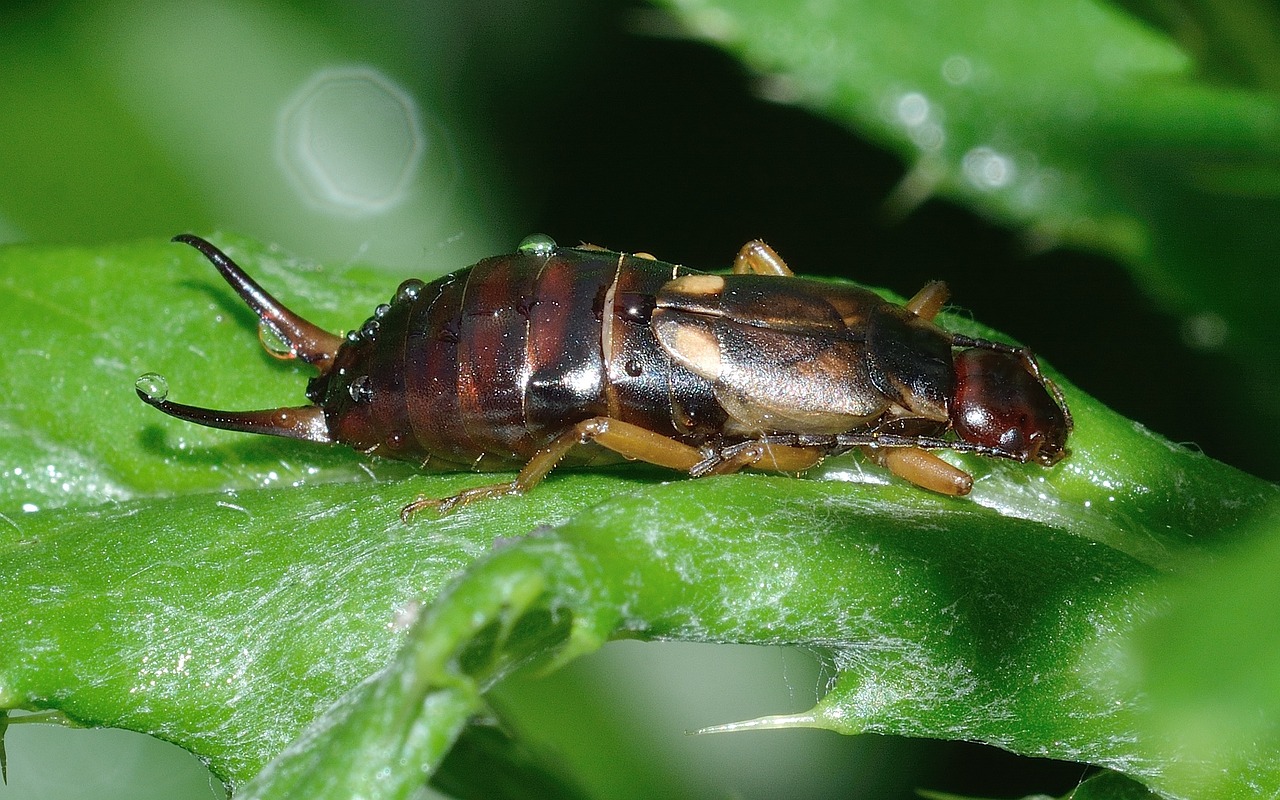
{"type": "Point", "coordinates": [233, 619]}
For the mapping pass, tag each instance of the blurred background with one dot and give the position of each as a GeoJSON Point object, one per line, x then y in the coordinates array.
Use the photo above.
{"type": "Point", "coordinates": [420, 137]}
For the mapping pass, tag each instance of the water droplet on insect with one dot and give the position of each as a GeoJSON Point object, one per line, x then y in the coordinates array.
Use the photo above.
{"type": "Point", "coordinates": [636, 307]}
{"type": "Point", "coordinates": [633, 368]}
{"type": "Point", "coordinates": [381, 310]}
{"type": "Point", "coordinates": [154, 386]}
{"type": "Point", "coordinates": [370, 329]}
{"type": "Point", "coordinates": [361, 389]}
{"type": "Point", "coordinates": [409, 290]}
{"type": "Point", "coordinates": [273, 341]}
{"type": "Point", "coordinates": [537, 244]}
{"type": "Point", "coordinates": [353, 336]}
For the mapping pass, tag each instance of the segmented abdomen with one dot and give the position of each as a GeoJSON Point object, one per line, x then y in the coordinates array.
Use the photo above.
{"type": "Point", "coordinates": [487, 365]}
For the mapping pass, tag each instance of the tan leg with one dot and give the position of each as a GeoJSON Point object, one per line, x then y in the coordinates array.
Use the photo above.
{"type": "Point", "coordinates": [771, 458]}
{"type": "Point", "coordinates": [629, 440]}
{"type": "Point", "coordinates": [922, 468]}
{"type": "Point", "coordinates": [929, 301]}
{"type": "Point", "coordinates": [758, 257]}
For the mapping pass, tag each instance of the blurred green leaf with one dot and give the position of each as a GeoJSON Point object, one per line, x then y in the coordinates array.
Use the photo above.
{"type": "Point", "coordinates": [1073, 121]}
{"type": "Point", "coordinates": [1210, 665]}
{"type": "Point", "coordinates": [207, 618]}
{"type": "Point", "coordinates": [124, 119]}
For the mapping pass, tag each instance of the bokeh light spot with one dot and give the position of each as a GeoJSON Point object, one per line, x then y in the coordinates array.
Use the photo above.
{"type": "Point", "coordinates": [351, 141]}
{"type": "Point", "coordinates": [1205, 331]}
{"type": "Point", "coordinates": [988, 169]}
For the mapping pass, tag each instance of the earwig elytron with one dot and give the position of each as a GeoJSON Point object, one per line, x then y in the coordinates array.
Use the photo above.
{"type": "Point", "coordinates": [521, 358]}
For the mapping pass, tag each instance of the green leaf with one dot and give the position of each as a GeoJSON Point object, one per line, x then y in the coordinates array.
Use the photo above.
{"type": "Point", "coordinates": [940, 620]}
{"type": "Point", "coordinates": [83, 324]}
{"type": "Point", "coordinates": [231, 619]}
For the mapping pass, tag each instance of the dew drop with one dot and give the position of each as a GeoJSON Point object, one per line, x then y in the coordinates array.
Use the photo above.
{"type": "Point", "coordinates": [154, 386]}
{"type": "Point", "coordinates": [633, 368]}
{"type": "Point", "coordinates": [409, 290]}
{"type": "Point", "coordinates": [353, 336]}
{"type": "Point", "coordinates": [636, 307]}
{"type": "Point", "coordinates": [537, 244]}
{"type": "Point", "coordinates": [370, 329]}
{"type": "Point", "coordinates": [361, 389]}
{"type": "Point", "coordinates": [381, 310]}
{"type": "Point", "coordinates": [273, 341]}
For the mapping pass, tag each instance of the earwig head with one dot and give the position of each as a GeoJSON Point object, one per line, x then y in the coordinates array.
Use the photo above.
{"type": "Point", "coordinates": [999, 403]}
{"type": "Point", "coordinates": [297, 338]}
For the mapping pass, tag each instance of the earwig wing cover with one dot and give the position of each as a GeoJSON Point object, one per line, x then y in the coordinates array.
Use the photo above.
{"type": "Point", "coordinates": [774, 380]}
{"type": "Point", "coordinates": [909, 360]}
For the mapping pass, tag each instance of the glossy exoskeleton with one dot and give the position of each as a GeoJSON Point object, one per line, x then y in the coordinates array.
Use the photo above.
{"type": "Point", "coordinates": [521, 358]}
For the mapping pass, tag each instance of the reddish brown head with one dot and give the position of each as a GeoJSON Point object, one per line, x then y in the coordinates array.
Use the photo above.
{"type": "Point", "coordinates": [999, 403]}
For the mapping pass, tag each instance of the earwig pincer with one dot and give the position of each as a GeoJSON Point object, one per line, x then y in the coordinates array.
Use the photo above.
{"type": "Point", "coordinates": [553, 352]}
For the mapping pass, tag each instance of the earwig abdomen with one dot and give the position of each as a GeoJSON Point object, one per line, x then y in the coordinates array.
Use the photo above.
{"type": "Point", "coordinates": [492, 362]}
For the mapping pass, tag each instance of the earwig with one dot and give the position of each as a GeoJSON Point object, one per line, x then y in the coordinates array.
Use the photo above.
{"type": "Point", "coordinates": [521, 359]}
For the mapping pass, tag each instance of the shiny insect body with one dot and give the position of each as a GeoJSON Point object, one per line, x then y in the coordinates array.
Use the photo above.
{"type": "Point", "coordinates": [520, 359]}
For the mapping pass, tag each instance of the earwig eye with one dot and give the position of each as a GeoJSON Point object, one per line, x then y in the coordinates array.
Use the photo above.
{"type": "Point", "coordinates": [998, 403]}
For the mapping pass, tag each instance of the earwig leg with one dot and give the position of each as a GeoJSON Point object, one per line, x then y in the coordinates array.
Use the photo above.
{"type": "Point", "coordinates": [929, 301]}
{"type": "Point", "coordinates": [761, 259]}
{"type": "Point", "coordinates": [640, 444]}
{"type": "Point", "coordinates": [761, 456]}
{"type": "Point", "coordinates": [789, 459]}
{"type": "Point", "coordinates": [623, 438]}
{"type": "Point", "coordinates": [922, 468]}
